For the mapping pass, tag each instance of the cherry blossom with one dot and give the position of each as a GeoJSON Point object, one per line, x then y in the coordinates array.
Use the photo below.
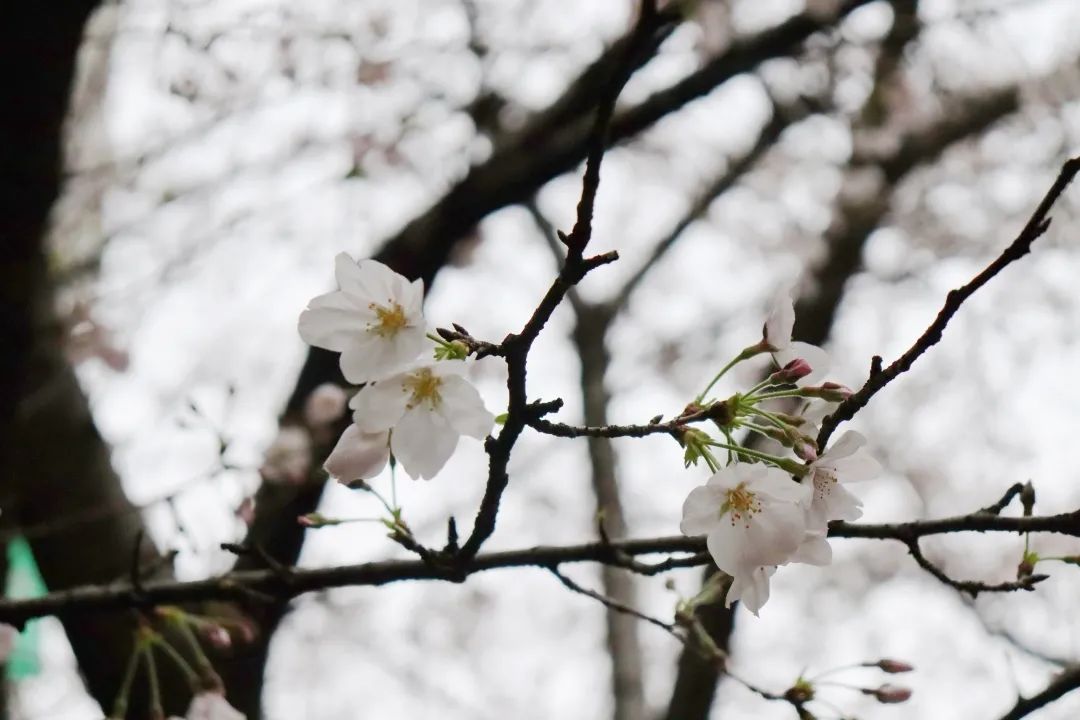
{"type": "Point", "coordinates": [427, 408]}
{"type": "Point", "coordinates": [212, 706]}
{"type": "Point", "coordinates": [753, 517]}
{"type": "Point", "coordinates": [844, 462]}
{"type": "Point", "coordinates": [776, 337]}
{"type": "Point", "coordinates": [358, 455]}
{"type": "Point", "coordinates": [375, 320]}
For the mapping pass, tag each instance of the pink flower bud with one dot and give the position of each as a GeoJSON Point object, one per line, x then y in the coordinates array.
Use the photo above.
{"type": "Point", "coordinates": [830, 391]}
{"type": "Point", "coordinates": [311, 520]}
{"type": "Point", "coordinates": [325, 404]}
{"type": "Point", "coordinates": [217, 636]}
{"type": "Point", "coordinates": [891, 666]}
{"type": "Point", "coordinates": [793, 371]}
{"type": "Point", "coordinates": [358, 455]}
{"type": "Point", "coordinates": [890, 694]}
{"type": "Point", "coordinates": [805, 450]}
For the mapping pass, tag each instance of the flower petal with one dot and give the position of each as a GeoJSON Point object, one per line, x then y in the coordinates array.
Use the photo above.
{"type": "Point", "coordinates": [463, 408]}
{"type": "Point", "coordinates": [725, 546]}
{"type": "Point", "coordinates": [857, 468]}
{"type": "Point", "coordinates": [774, 534]}
{"type": "Point", "coordinates": [752, 588]}
{"type": "Point", "coordinates": [780, 321]}
{"type": "Point", "coordinates": [817, 358]}
{"type": "Point", "coordinates": [369, 357]}
{"type": "Point", "coordinates": [368, 280]}
{"type": "Point", "coordinates": [778, 485]}
{"type": "Point", "coordinates": [331, 321]}
{"type": "Point", "coordinates": [815, 550]}
{"type": "Point", "coordinates": [701, 510]}
{"type": "Point", "coordinates": [729, 477]}
{"type": "Point", "coordinates": [840, 504]}
{"type": "Point", "coordinates": [423, 442]}
{"type": "Point", "coordinates": [845, 446]}
{"type": "Point", "coordinates": [358, 455]}
{"type": "Point", "coordinates": [379, 406]}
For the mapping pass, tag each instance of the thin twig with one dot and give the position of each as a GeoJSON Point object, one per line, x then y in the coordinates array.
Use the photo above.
{"type": "Point", "coordinates": [615, 605]}
{"type": "Point", "coordinates": [1035, 227]}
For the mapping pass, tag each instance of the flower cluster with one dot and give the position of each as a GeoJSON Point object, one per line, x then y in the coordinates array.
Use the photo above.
{"type": "Point", "coordinates": [414, 409]}
{"type": "Point", "coordinates": [760, 511]}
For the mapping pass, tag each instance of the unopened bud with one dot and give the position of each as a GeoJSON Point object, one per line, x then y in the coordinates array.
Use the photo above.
{"type": "Point", "coordinates": [1026, 568]}
{"type": "Point", "coordinates": [891, 666]}
{"type": "Point", "coordinates": [1027, 498]}
{"type": "Point", "coordinates": [806, 449]}
{"type": "Point", "coordinates": [793, 371]}
{"type": "Point", "coordinates": [833, 392]}
{"type": "Point", "coordinates": [217, 636]}
{"type": "Point", "coordinates": [316, 520]}
{"type": "Point", "coordinates": [890, 694]}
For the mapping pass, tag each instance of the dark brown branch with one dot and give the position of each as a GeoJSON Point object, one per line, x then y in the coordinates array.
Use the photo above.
{"type": "Point", "coordinates": [239, 585]}
{"type": "Point", "coordinates": [1067, 681]}
{"type": "Point", "coordinates": [1035, 227]}
{"type": "Point", "coordinates": [972, 587]}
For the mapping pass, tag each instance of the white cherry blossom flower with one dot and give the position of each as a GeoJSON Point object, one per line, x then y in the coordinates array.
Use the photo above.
{"type": "Point", "coordinates": [211, 705]}
{"type": "Point", "coordinates": [358, 455]}
{"type": "Point", "coordinates": [375, 320]}
{"type": "Point", "coordinates": [776, 336]}
{"type": "Point", "coordinates": [844, 462]}
{"type": "Point", "coordinates": [753, 517]}
{"type": "Point", "coordinates": [427, 408]}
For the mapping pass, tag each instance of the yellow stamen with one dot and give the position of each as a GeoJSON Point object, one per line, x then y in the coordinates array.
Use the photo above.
{"type": "Point", "coordinates": [741, 503]}
{"type": "Point", "coordinates": [390, 319]}
{"type": "Point", "coordinates": [425, 388]}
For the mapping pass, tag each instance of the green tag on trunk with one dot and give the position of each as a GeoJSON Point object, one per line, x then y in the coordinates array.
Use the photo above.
{"type": "Point", "coordinates": [24, 581]}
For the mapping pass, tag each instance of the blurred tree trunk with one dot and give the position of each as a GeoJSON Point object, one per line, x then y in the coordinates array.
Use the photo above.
{"type": "Point", "coordinates": [54, 464]}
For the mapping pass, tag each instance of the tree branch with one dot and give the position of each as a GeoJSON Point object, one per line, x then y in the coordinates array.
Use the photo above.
{"type": "Point", "coordinates": [1035, 227]}
{"type": "Point", "coordinates": [243, 586]}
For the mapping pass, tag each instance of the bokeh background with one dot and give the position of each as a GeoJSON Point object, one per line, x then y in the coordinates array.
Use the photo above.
{"type": "Point", "coordinates": [218, 154]}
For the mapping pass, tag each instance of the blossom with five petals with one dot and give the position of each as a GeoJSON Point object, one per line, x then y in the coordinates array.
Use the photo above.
{"type": "Point", "coordinates": [427, 407]}
{"type": "Point", "coordinates": [375, 320]}
{"type": "Point", "coordinates": [753, 517]}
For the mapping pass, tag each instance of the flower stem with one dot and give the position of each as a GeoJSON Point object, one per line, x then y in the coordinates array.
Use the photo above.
{"type": "Point", "coordinates": [745, 354]}
{"type": "Point", "coordinates": [774, 395]}
{"type": "Point", "coordinates": [120, 705]}
{"type": "Point", "coordinates": [156, 709]}
{"type": "Point", "coordinates": [189, 672]}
